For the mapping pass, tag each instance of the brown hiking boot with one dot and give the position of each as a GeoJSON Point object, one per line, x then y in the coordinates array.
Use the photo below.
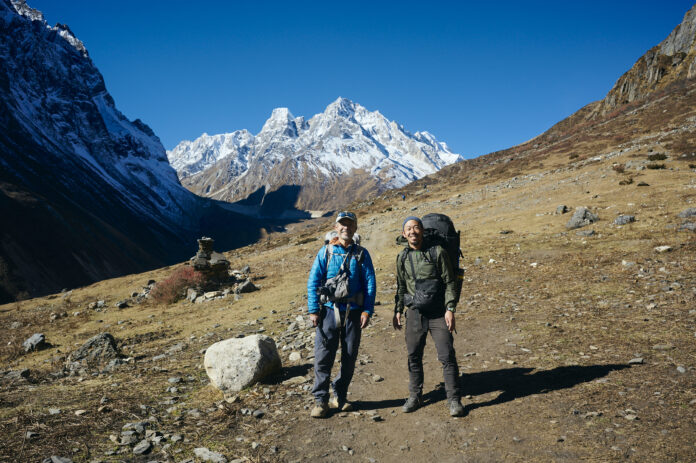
{"type": "Point", "coordinates": [342, 405]}
{"type": "Point", "coordinates": [320, 409]}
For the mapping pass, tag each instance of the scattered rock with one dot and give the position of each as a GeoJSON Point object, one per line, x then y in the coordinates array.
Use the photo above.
{"type": "Point", "coordinates": [681, 369]}
{"type": "Point", "coordinates": [624, 219]}
{"type": "Point", "coordinates": [688, 226]}
{"type": "Point", "coordinates": [662, 249]}
{"type": "Point", "coordinates": [234, 364]}
{"type": "Point", "coordinates": [690, 212]}
{"type": "Point", "coordinates": [585, 232]}
{"type": "Point", "coordinates": [55, 459]}
{"type": "Point", "coordinates": [562, 209]}
{"type": "Point", "coordinates": [581, 218]}
{"type": "Point", "coordinates": [295, 357]}
{"type": "Point", "coordinates": [12, 375]}
{"type": "Point", "coordinates": [208, 455]}
{"type": "Point", "coordinates": [246, 287]}
{"type": "Point", "coordinates": [97, 350]}
{"type": "Point", "coordinates": [122, 304]}
{"type": "Point", "coordinates": [37, 341]}
{"type": "Point", "coordinates": [636, 361]}
{"type": "Point", "coordinates": [143, 447]}
{"type": "Point", "coordinates": [663, 347]}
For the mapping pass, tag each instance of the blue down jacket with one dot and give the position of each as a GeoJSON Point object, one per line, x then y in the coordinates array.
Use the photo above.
{"type": "Point", "coordinates": [361, 278]}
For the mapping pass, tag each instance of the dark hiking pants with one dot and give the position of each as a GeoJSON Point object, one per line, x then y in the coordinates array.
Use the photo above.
{"type": "Point", "coordinates": [417, 327]}
{"type": "Point", "coordinates": [326, 344]}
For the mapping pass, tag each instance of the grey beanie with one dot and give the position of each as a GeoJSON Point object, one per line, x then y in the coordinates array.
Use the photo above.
{"type": "Point", "coordinates": [411, 217]}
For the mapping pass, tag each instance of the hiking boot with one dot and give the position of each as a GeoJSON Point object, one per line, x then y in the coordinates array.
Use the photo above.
{"type": "Point", "coordinates": [412, 404]}
{"type": "Point", "coordinates": [455, 407]}
{"type": "Point", "coordinates": [321, 408]}
{"type": "Point", "coordinates": [342, 405]}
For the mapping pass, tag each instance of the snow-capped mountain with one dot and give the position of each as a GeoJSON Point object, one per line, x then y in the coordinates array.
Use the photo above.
{"type": "Point", "coordinates": [316, 155]}
{"type": "Point", "coordinates": [85, 193]}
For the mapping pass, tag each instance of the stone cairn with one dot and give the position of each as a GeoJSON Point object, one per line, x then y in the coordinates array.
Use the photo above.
{"type": "Point", "coordinates": [211, 264]}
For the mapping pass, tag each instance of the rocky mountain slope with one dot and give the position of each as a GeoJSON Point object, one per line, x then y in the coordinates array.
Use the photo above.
{"type": "Point", "coordinates": [573, 344]}
{"type": "Point", "coordinates": [337, 156]}
{"type": "Point", "coordinates": [85, 194]}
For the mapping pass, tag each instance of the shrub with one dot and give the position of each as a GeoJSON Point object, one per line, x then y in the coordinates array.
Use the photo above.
{"type": "Point", "coordinates": [627, 181]}
{"type": "Point", "coordinates": [619, 168]}
{"type": "Point", "coordinates": [692, 166]}
{"type": "Point", "coordinates": [655, 166]}
{"type": "Point", "coordinates": [657, 157]}
{"type": "Point", "coordinates": [172, 289]}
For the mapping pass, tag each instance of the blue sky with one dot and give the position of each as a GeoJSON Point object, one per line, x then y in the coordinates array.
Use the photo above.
{"type": "Point", "coordinates": [480, 76]}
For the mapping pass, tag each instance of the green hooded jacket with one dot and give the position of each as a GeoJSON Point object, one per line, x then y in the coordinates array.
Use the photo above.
{"type": "Point", "coordinates": [425, 269]}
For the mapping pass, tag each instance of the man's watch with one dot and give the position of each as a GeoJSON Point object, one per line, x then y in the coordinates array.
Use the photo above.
{"type": "Point", "coordinates": [452, 309]}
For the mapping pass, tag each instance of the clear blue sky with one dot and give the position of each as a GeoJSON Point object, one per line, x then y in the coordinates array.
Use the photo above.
{"type": "Point", "coordinates": [480, 76]}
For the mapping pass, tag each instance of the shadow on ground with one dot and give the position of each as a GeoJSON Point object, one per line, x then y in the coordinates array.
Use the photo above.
{"type": "Point", "coordinates": [518, 382]}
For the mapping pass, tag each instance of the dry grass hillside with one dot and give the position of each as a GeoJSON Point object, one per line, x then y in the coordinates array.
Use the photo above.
{"type": "Point", "coordinates": [572, 347]}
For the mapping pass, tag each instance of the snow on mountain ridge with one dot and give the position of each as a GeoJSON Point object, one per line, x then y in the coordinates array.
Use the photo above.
{"type": "Point", "coordinates": [345, 137]}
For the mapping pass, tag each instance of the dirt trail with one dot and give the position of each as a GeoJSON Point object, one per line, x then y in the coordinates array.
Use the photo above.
{"type": "Point", "coordinates": [428, 434]}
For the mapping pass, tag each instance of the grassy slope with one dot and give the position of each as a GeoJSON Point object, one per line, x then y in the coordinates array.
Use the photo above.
{"type": "Point", "coordinates": [551, 341]}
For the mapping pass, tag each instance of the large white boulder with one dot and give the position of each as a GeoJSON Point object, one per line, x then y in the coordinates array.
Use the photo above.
{"type": "Point", "coordinates": [234, 364]}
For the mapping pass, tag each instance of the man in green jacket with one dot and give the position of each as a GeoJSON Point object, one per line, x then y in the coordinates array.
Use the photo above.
{"type": "Point", "coordinates": [426, 286]}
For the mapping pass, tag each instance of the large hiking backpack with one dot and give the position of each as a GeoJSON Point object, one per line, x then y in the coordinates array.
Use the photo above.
{"type": "Point", "coordinates": [439, 229]}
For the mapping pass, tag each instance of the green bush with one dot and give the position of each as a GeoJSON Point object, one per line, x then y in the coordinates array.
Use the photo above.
{"type": "Point", "coordinates": [655, 166]}
{"type": "Point", "coordinates": [657, 157]}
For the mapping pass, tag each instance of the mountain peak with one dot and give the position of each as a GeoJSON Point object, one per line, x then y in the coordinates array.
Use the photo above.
{"type": "Point", "coordinates": [25, 10]}
{"type": "Point", "coordinates": [281, 122]}
{"type": "Point", "coordinates": [342, 107]}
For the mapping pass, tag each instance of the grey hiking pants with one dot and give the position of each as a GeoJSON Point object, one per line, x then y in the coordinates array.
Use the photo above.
{"type": "Point", "coordinates": [417, 327]}
{"type": "Point", "coordinates": [325, 346]}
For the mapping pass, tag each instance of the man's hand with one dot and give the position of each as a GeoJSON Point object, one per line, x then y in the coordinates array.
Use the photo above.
{"type": "Point", "coordinates": [396, 321]}
{"type": "Point", "coordinates": [449, 320]}
{"type": "Point", "coordinates": [315, 318]}
{"type": "Point", "coordinates": [364, 320]}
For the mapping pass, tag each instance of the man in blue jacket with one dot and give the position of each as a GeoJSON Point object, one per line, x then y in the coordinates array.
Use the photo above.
{"type": "Point", "coordinates": [340, 297]}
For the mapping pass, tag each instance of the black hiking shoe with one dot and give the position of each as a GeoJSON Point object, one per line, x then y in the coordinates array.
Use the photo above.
{"type": "Point", "coordinates": [412, 404]}
{"type": "Point", "coordinates": [455, 407]}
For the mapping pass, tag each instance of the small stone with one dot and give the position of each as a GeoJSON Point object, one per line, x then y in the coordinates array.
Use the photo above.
{"type": "Point", "coordinates": [663, 249]}
{"type": "Point", "coordinates": [681, 369]}
{"type": "Point", "coordinates": [663, 347]}
{"type": "Point", "coordinates": [377, 378]}
{"type": "Point", "coordinates": [37, 341]}
{"type": "Point", "coordinates": [142, 447]}
{"type": "Point", "coordinates": [80, 412]}
{"type": "Point", "coordinates": [630, 417]}
{"type": "Point", "coordinates": [175, 380]}
{"type": "Point", "coordinates": [636, 361]}
{"type": "Point", "coordinates": [31, 435]}
{"type": "Point", "coordinates": [258, 413]}
{"type": "Point", "coordinates": [295, 357]}
{"type": "Point", "coordinates": [54, 411]}
{"type": "Point", "coordinates": [208, 455]}
{"type": "Point", "coordinates": [624, 219]}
